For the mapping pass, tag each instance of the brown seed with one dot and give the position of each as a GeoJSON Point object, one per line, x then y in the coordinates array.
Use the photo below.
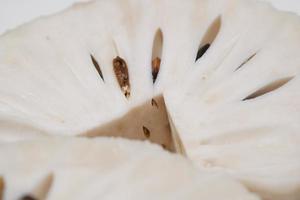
{"type": "Point", "coordinates": [154, 103]}
{"type": "Point", "coordinates": [146, 132]}
{"type": "Point", "coordinates": [155, 68]}
{"type": "Point", "coordinates": [121, 72]}
{"type": "Point", "coordinates": [2, 185]}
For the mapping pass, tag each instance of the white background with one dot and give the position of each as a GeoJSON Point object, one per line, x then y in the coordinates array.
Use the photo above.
{"type": "Point", "coordinates": [16, 12]}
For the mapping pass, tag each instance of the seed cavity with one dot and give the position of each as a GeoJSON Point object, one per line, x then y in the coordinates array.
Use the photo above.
{"type": "Point", "coordinates": [209, 37]}
{"type": "Point", "coordinates": [146, 132]}
{"type": "Point", "coordinates": [246, 61]}
{"type": "Point", "coordinates": [269, 88]}
{"type": "Point", "coordinates": [97, 66]}
{"type": "Point", "coordinates": [156, 54]}
{"type": "Point", "coordinates": [154, 103]}
{"type": "Point", "coordinates": [122, 75]}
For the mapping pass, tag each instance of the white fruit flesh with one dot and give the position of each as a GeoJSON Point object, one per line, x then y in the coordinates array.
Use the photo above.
{"type": "Point", "coordinates": [246, 121]}
{"type": "Point", "coordinates": [49, 86]}
{"type": "Point", "coordinates": [104, 168]}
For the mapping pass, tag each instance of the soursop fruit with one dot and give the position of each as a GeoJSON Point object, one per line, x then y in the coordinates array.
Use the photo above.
{"type": "Point", "coordinates": [106, 168]}
{"type": "Point", "coordinates": [215, 80]}
{"type": "Point", "coordinates": [239, 111]}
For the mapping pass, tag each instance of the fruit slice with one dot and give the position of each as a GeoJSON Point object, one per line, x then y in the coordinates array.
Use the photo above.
{"type": "Point", "coordinates": [104, 168]}
{"type": "Point", "coordinates": [228, 68]}
{"type": "Point", "coordinates": [240, 112]}
{"type": "Point", "coordinates": [78, 73]}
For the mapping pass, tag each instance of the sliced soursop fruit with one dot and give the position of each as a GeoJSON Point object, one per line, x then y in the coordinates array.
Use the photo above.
{"type": "Point", "coordinates": [228, 70]}
{"type": "Point", "coordinates": [100, 68]}
{"type": "Point", "coordinates": [105, 168]}
{"type": "Point", "coordinates": [239, 111]}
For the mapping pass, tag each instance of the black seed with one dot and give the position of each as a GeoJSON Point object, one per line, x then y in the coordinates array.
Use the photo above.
{"type": "Point", "coordinates": [248, 59]}
{"type": "Point", "coordinates": [202, 51]}
{"type": "Point", "coordinates": [97, 66]}
{"type": "Point", "coordinates": [209, 37]}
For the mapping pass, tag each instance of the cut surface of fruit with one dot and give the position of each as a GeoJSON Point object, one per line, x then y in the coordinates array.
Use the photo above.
{"type": "Point", "coordinates": [228, 70]}
{"type": "Point", "coordinates": [105, 168]}
{"type": "Point", "coordinates": [239, 111]}
{"type": "Point", "coordinates": [76, 72]}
